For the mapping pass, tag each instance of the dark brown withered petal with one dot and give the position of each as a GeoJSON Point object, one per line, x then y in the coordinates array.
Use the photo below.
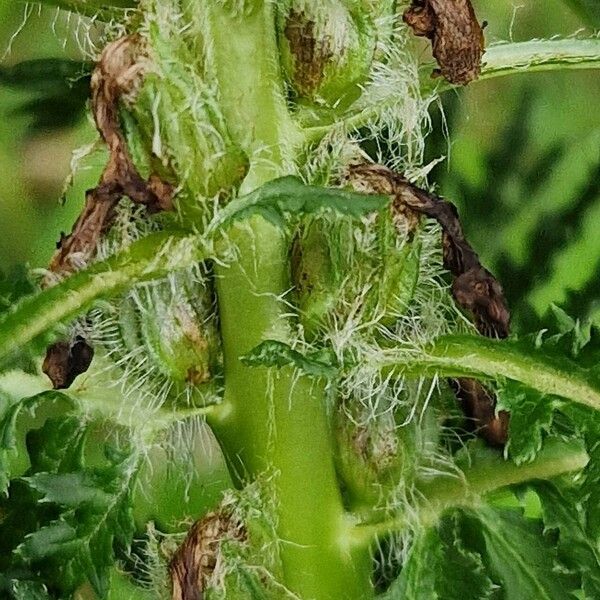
{"type": "Point", "coordinates": [195, 560]}
{"type": "Point", "coordinates": [118, 72]}
{"type": "Point", "coordinates": [456, 37]}
{"type": "Point", "coordinates": [474, 288]}
{"type": "Point", "coordinates": [65, 361]}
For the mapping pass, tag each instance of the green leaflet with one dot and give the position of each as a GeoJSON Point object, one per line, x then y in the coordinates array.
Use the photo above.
{"type": "Point", "coordinates": [531, 415]}
{"type": "Point", "coordinates": [417, 579]}
{"type": "Point", "coordinates": [77, 513]}
{"type": "Point", "coordinates": [462, 575]}
{"type": "Point", "coordinates": [272, 353]}
{"type": "Point", "coordinates": [9, 412]}
{"type": "Point", "coordinates": [563, 511]}
{"type": "Point", "coordinates": [441, 567]}
{"type": "Point", "coordinates": [516, 552]}
{"type": "Point", "coordinates": [532, 412]}
{"type": "Point", "coordinates": [288, 195]}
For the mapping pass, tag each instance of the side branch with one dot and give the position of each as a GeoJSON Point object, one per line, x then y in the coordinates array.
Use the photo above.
{"type": "Point", "coordinates": [487, 471]}
{"type": "Point", "coordinates": [499, 60]}
{"type": "Point", "coordinates": [153, 257]}
{"type": "Point", "coordinates": [471, 356]}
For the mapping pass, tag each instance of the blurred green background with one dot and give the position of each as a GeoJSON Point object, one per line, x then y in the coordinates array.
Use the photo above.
{"type": "Point", "coordinates": [523, 157]}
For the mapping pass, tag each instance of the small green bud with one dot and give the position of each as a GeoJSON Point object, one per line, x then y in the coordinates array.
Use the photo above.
{"type": "Point", "coordinates": [174, 323]}
{"type": "Point", "coordinates": [320, 261]}
{"type": "Point", "coordinates": [376, 454]}
{"type": "Point", "coordinates": [326, 49]}
{"type": "Point", "coordinates": [398, 274]}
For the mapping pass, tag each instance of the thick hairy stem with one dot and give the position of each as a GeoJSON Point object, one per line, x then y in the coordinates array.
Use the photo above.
{"type": "Point", "coordinates": [464, 356]}
{"type": "Point", "coordinates": [273, 421]}
{"type": "Point", "coordinates": [153, 257]}
{"type": "Point", "coordinates": [276, 422]}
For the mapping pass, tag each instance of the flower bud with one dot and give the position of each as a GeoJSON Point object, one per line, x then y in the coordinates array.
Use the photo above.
{"type": "Point", "coordinates": [326, 49]}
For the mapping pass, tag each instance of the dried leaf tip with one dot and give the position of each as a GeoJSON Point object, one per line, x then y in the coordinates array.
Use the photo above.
{"type": "Point", "coordinates": [64, 361]}
{"type": "Point", "coordinates": [455, 33]}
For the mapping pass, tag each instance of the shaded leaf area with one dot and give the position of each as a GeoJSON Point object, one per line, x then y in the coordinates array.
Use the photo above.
{"type": "Point", "coordinates": [532, 219]}
{"type": "Point", "coordinates": [56, 90]}
{"type": "Point", "coordinates": [64, 519]}
{"type": "Point", "coordinates": [500, 554]}
{"type": "Point", "coordinates": [589, 10]}
{"type": "Point", "coordinates": [15, 284]}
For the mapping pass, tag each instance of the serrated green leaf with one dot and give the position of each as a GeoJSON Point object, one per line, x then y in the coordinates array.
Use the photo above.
{"type": "Point", "coordinates": [80, 543]}
{"type": "Point", "coordinates": [58, 446]}
{"type": "Point", "coordinates": [272, 353]}
{"type": "Point", "coordinates": [62, 523]}
{"type": "Point", "coordinates": [9, 411]}
{"type": "Point", "coordinates": [531, 416]}
{"type": "Point", "coordinates": [461, 575]}
{"type": "Point", "coordinates": [563, 511]}
{"type": "Point", "coordinates": [519, 556]}
{"type": "Point", "coordinates": [70, 489]}
{"type": "Point", "coordinates": [441, 567]}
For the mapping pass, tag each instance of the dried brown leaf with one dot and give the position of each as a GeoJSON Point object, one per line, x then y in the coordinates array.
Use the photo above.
{"type": "Point", "coordinates": [66, 360]}
{"type": "Point", "coordinates": [117, 74]}
{"type": "Point", "coordinates": [456, 37]}
{"type": "Point", "coordinates": [474, 288]}
{"type": "Point", "coordinates": [196, 560]}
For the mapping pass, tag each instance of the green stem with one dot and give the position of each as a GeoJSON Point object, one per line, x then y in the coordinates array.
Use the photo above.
{"type": "Point", "coordinates": [153, 257]}
{"type": "Point", "coordinates": [498, 60]}
{"type": "Point", "coordinates": [531, 57]}
{"type": "Point", "coordinates": [251, 91]}
{"type": "Point", "coordinates": [472, 356]}
{"type": "Point", "coordinates": [276, 422]}
{"type": "Point", "coordinates": [273, 422]}
{"type": "Point", "coordinates": [486, 472]}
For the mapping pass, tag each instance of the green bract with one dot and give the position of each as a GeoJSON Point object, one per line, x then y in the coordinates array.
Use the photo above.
{"type": "Point", "coordinates": [327, 49]}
